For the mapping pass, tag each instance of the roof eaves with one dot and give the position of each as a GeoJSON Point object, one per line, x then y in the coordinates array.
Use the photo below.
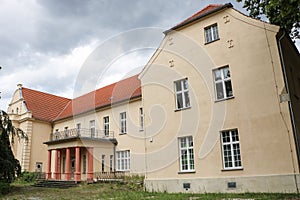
{"type": "Point", "coordinates": [227, 5]}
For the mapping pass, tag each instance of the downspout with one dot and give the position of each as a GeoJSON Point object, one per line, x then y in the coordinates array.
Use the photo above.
{"type": "Point", "coordinates": [290, 106]}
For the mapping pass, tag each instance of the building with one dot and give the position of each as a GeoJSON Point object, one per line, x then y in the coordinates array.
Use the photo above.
{"type": "Point", "coordinates": [216, 109]}
{"type": "Point", "coordinates": [221, 102]}
{"type": "Point", "coordinates": [76, 139]}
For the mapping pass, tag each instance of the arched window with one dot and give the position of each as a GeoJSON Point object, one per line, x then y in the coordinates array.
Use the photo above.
{"type": "Point", "coordinates": [17, 110]}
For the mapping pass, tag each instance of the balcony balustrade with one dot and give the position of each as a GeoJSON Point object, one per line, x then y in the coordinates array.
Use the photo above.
{"type": "Point", "coordinates": [81, 133]}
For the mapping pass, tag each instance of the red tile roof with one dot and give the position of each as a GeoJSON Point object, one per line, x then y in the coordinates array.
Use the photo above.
{"type": "Point", "coordinates": [50, 108]}
{"type": "Point", "coordinates": [42, 105]}
{"type": "Point", "coordinates": [123, 90]}
{"type": "Point", "coordinates": [205, 11]}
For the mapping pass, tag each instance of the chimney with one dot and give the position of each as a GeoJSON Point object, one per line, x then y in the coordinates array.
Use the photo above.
{"type": "Point", "coordinates": [20, 86]}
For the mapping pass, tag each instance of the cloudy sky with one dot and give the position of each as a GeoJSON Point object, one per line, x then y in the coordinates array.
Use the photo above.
{"type": "Point", "coordinates": [48, 45]}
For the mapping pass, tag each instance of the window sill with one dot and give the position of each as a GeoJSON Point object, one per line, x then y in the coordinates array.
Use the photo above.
{"type": "Point", "coordinates": [233, 169]}
{"type": "Point", "coordinates": [187, 172]}
{"type": "Point", "coordinates": [211, 41]}
{"type": "Point", "coordinates": [180, 109]}
{"type": "Point", "coordinates": [141, 130]}
{"type": "Point", "coordinates": [228, 98]}
{"type": "Point", "coordinates": [122, 133]}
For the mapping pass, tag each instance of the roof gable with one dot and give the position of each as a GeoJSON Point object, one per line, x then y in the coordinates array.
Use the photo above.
{"type": "Point", "coordinates": [43, 106]}
{"type": "Point", "coordinates": [212, 8]}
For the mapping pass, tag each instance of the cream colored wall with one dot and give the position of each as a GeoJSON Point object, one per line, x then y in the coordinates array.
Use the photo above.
{"type": "Point", "coordinates": [40, 134]}
{"type": "Point", "coordinates": [255, 109]}
{"type": "Point", "coordinates": [132, 141]}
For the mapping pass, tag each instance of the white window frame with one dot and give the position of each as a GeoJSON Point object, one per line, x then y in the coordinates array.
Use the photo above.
{"type": "Point", "coordinates": [123, 160]}
{"type": "Point", "coordinates": [235, 154]}
{"type": "Point", "coordinates": [141, 112]}
{"type": "Point", "coordinates": [123, 125]}
{"type": "Point", "coordinates": [93, 128]}
{"type": "Point", "coordinates": [222, 81]}
{"type": "Point", "coordinates": [211, 33]}
{"type": "Point", "coordinates": [186, 100]}
{"type": "Point", "coordinates": [190, 155]}
{"type": "Point", "coordinates": [106, 125]}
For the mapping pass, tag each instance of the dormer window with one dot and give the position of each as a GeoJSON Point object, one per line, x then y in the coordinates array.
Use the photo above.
{"type": "Point", "coordinates": [211, 33]}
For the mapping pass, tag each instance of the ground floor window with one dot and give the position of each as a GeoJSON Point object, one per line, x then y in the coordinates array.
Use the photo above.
{"type": "Point", "coordinates": [186, 150]}
{"type": "Point", "coordinates": [123, 160]}
{"type": "Point", "coordinates": [231, 149]}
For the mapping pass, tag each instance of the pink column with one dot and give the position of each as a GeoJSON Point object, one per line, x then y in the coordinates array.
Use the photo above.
{"type": "Point", "coordinates": [77, 174]}
{"type": "Point", "coordinates": [57, 165]}
{"type": "Point", "coordinates": [48, 174]}
{"type": "Point", "coordinates": [68, 162]}
{"type": "Point", "coordinates": [90, 170]}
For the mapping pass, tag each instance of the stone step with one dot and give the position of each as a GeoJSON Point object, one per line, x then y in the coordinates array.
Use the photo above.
{"type": "Point", "coordinates": [55, 184]}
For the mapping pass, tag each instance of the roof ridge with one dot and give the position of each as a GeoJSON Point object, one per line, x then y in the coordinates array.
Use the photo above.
{"type": "Point", "coordinates": [46, 93]}
{"type": "Point", "coordinates": [114, 83]}
{"type": "Point", "coordinates": [200, 14]}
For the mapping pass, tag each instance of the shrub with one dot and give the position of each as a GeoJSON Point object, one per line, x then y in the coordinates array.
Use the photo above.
{"type": "Point", "coordinates": [28, 177]}
{"type": "Point", "coordinates": [4, 187]}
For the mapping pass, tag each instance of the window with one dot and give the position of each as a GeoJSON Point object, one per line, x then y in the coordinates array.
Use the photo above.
{"type": "Point", "coordinates": [141, 119]}
{"type": "Point", "coordinates": [106, 125]}
{"type": "Point", "coordinates": [111, 157]}
{"type": "Point", "coordinates": [231, 149]}
{"type": "Point", "coordinates": [223, 83]}
{"type": "Point", "coordinates": [123, 122]}
{"type": "Point", "coordinates": [186, 150]}
{"type": "Point", "coordinates": [182, 94]}
{"type": "Point", "coordinates": [123, 160]}
{"type": "Point", "coordinates": [66, 131]}
{"type": "Point", "coordinates": [78, 127]}
{"type": "Point", "coordinates": [92, 128]}
{"type": "Point", "coordinates": [103, 163]}
{"type": "Point", "coordinates": [211, 33]}
{"type": "Point", "coordinates": [84, 164]}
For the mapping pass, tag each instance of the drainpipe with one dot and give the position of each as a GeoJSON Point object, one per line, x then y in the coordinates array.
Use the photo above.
{"type": "Point", "coordinates": [290, 105]}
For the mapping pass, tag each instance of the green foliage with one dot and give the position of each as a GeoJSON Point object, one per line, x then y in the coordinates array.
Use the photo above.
{"type": "Point", "coordinates": [285, 13]}
{"type": "Point", "coordinates": [9, 166]}
{"type": "Point", "coordinates": [4, 188]}
{"type": "Point", "coordinates": [28, 177]}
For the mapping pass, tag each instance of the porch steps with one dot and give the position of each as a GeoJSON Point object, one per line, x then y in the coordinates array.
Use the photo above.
{"type": "Point", "coordinates": [55, 184]}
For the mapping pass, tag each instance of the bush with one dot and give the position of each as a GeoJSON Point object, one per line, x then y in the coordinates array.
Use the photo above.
{"type": "Point", "coordinates": [4, 188]}
{"type": "Point", "coordinates": [28, 177]}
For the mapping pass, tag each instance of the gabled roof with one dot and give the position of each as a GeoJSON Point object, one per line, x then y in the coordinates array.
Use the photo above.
{"type": "Point", "coordinates": [212, 8]}
{"type": "Point", "coordinates": [48, 107]}
{"type": "Point", "coordinates": [43, 106]}
{"type": "Point", "coordinates": [123, 90]}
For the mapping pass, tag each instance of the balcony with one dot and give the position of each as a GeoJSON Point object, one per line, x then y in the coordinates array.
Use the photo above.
{"type": "Point", "coordinates": [81, 133]}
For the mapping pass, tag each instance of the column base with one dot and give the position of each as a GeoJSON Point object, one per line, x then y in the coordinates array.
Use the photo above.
{"type": "Point", "coordinates": [90, 176]}
{"type": "Point", "coordinates": [77, 176]}
{"type": "Point", "coordinates": [57, 176]}
{"type": "Point", "coordinates": [68, 176]}
{"type": "Point", "coordinates": [48, 175]}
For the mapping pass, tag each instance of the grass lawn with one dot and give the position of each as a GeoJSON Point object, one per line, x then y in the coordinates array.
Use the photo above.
{"type": "Point", "coordinates": [122, 191]}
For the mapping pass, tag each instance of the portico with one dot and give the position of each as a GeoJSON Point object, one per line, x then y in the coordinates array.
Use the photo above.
{"type": "Point", "coordinates": [72, 157]}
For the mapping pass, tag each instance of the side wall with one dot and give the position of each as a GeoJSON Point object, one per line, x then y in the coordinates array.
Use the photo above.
{"type": "Point", "coordinates": [263, 122]}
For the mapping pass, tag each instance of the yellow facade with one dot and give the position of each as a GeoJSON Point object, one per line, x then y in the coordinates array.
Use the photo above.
{"type": "Point", "coordinates": [241, 137]}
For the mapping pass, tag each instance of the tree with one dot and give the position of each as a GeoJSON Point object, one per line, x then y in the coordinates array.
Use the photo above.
{"type": "Point", "coordinates": [9, 166]}
{"type": "Point", "coordinates": [285, 13]}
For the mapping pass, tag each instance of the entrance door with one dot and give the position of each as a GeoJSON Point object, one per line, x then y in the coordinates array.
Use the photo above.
{"type": "Point", "coordinates": [72, 166]}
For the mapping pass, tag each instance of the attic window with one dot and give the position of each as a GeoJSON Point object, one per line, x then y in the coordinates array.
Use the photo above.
{"type": "Point", "coordinates": [211, 33]}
